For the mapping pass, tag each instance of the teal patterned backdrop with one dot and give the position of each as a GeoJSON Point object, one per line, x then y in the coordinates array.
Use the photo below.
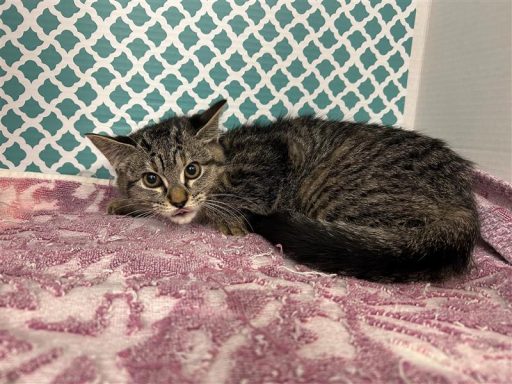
{"type": "Point", "coordinates": [71, 67]}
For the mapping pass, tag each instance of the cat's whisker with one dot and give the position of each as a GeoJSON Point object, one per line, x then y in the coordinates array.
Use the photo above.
{"type": "Point", "coordinates": [235, 213]}
{"type": "Point", "coordinates": [240, 213]}
{"type": "Point", "coordinates": [136, 205]}
{"type": "Point", "coordinates": [137, 213]}
{"type": "Point", "coordinates": [217, 207]}
{"type": "Point", "coordinates": [217, 212]}
{"type": "Point", "coordinates": [223, 213]}
{"type": "Point", "coordinates": [232, 209]}
{"type": "Point", "coordinates": [252, 203]}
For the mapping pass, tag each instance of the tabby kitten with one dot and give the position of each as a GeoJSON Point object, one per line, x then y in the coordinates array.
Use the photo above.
{"type": "Point", "coordinates": [364, 200]}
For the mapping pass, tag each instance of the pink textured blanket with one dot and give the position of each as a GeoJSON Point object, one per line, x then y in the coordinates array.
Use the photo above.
{"type": "Point", "coordinates": [91, 298]}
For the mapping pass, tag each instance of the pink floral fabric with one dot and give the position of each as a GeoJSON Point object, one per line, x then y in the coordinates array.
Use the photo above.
{"type": "Point", "coordinates": [91, 298]}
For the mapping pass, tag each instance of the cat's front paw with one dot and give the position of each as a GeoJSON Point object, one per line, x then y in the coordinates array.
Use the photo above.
{"type": "Point", "coordinates": [115, 207]}
{"type": "Point", "coordinates": [232, 229]}
{"type": "Point", "coordinates": [123, 207]}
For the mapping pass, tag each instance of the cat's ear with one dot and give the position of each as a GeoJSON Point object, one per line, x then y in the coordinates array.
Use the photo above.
{"type": "Point", "coordinates": [207, 123]}
{"type": "Point", "coordinates": [115, 149]}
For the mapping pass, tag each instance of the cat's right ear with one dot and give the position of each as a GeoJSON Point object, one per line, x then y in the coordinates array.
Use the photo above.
{"type": "Point", "coordinates": [114, 149]}
{"type": "Point", "coordinates": [206, 123]}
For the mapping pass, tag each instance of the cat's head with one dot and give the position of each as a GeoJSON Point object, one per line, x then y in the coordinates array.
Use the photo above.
{"type": "Point", "coordinates": [170, 166]}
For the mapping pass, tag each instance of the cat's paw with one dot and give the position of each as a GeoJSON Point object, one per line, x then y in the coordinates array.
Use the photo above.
{"type": "Point", "coordinates": [115, 207]}
{"type": "Point", "coordinates": [232, 229]}
{"type": "Point", "coordinates": [123, 207]}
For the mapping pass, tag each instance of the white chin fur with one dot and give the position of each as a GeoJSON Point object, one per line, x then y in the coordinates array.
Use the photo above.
{"type": "Point", "coordinates": [183, 219]}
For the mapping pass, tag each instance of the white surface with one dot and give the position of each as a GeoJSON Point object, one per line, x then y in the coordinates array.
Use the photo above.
{"type": "Point", "coordinates": [464, 89]}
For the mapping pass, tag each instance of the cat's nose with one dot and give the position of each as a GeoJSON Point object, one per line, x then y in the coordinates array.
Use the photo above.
{"type": "Point", "coordinates": [179, 205]}
{"type": "Point", "coordinates": [178, 196]}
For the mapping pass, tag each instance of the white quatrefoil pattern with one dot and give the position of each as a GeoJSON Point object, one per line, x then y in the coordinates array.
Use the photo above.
{"type": "Point", "coordinates": [70, 67]}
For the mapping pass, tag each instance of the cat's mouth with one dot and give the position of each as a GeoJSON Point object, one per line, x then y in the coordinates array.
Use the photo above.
{"type": "Point", "coordinates": [181, 212]}
{"type": "Point", "coordinates": [183, 215]}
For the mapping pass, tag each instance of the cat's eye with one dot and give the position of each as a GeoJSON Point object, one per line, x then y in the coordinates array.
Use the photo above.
{"type": "Point", "coordinates": [151, 180]}
{"type": "Point", "coordinates": [193, 170]}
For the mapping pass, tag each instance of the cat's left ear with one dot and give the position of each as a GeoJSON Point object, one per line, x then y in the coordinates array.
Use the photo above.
{"type": "Point", "coordinates": [115, 149]}
{"type": "Point", "coordinates": [207, 122]}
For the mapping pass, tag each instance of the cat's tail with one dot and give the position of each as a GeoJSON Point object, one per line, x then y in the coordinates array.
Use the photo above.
{"type": "Point", "coordinates": [436, 251]}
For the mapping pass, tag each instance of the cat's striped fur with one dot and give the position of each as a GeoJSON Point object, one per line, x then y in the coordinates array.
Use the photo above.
{"type": "Point", "coordinates": [374, 202]}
